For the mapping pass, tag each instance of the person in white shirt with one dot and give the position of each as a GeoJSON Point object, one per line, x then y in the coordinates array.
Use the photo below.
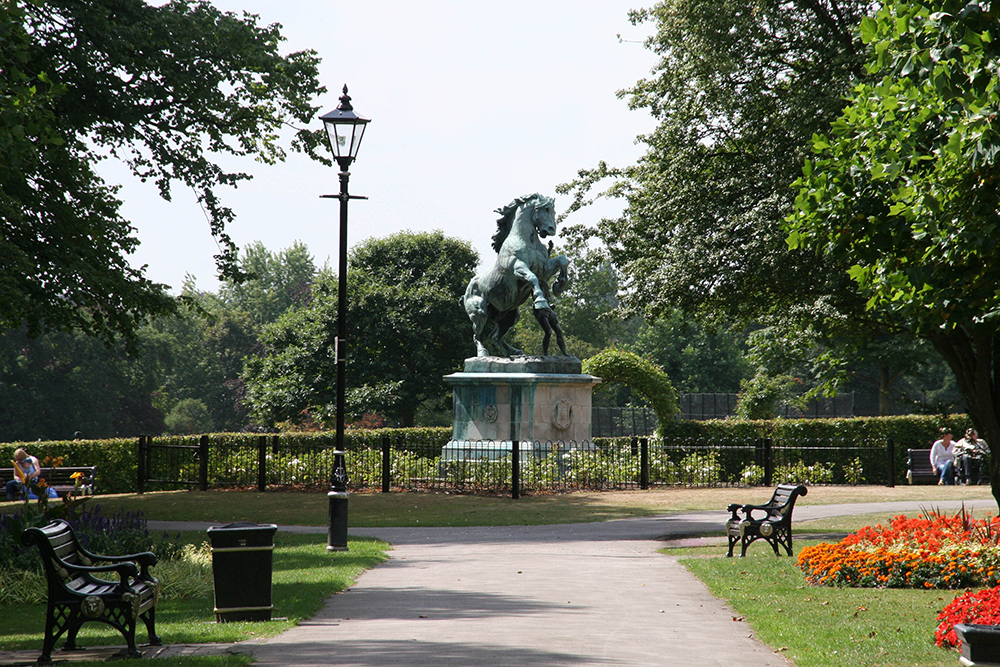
{"type": "Point", "coordinates": [943, 458]}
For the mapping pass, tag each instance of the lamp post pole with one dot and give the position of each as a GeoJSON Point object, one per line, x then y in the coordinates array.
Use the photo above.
{"type": "Point", "coordinates": [344, 130]}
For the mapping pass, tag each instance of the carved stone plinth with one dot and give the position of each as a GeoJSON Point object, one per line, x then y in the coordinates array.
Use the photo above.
{"type": "Point", "coordinates": [529, 399]}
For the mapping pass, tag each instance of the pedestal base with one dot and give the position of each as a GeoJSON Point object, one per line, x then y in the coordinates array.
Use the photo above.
{"type": "Point", "coordinates": [528, 406]}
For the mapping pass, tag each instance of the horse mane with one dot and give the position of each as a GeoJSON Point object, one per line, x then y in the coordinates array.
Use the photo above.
{"type": "Point", "coordinates": [506, 220]}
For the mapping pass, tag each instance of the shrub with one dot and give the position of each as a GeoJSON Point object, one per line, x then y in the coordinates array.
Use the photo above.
{"type": "Point", "coordinates": [800, 473]}
{"type": "Point", "coordinates": [854, 473]}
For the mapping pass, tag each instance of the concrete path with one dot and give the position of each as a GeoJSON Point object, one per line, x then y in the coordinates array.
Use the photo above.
{"type": "Point", "coordinates": [526, 596]}
{"type": "Point", "coordinates": [532, 596]}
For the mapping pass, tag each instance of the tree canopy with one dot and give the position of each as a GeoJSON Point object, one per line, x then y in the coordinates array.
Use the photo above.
{"type": "Point", "coordinates": [163, 88]}
{"type": "Point", "coordinates": [904, 189]}
{"type": "Point", "coordinates": [405, 332]}
{"type": "Point", "coordinates": [738, 92]}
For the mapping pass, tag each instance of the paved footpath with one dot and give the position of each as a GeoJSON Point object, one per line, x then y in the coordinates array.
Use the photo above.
{"type": "Point", "coordinates": [572, 594]}
{"type": "Point", "coordinates": [580, 594]}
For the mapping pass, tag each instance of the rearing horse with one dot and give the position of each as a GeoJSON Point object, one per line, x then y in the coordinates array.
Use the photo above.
{"type": "Point", "coordinates": [523, 269]}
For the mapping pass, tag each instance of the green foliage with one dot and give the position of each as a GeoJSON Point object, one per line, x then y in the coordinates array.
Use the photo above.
{"type": "Point", "coordinates": [641, 375]}
{"type": "Point", "coordinates": [903, 191]}
{"type": "Point", "coordinates": [761, 396]}
{"type": "Point", "coordinates": [61, 383]}
{"type": "Point", "coordinates": [189, 416]}
{"type": "Point", "coordinates": [737, 93]}
{"type": "Point", "coordinates": [405, 333]}
{"type": "Point", "coordinates": [854, 474]}
{"type": "Point", "coordinates": [697, 358]}
{"type": "Point", "coordinates": [164, 88]}
{"type": "Point", "coordinates": [800, 473]}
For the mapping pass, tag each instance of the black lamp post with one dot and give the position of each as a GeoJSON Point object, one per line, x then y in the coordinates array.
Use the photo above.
{"type": "Point", "coordinates": [344, 130]}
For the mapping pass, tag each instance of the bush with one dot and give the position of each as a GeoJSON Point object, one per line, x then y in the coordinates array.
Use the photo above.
{"type": "Point", "coordinates": [119, 534]}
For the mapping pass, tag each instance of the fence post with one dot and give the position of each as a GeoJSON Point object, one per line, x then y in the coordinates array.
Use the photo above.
{"type": "Point", "coordinates": [515, 469]}
{"type": "Point", "coordinates": [203, 463]}
{"type": "Point", "coordinates": [644, 463]}
{"type": "Point", "coordinates": [140, 482]}
{"type": "Point", "coordinates": [891, 453]}
{"type": "Point", "coordinates": [768, 463]}
{"type": "Point", "coordinates": [386, 458]}
{"type": "Point", "coordinates": [261, 463]}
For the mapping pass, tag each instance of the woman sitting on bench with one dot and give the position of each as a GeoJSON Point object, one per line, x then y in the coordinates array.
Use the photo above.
{"type": "Point", "coordinates": [943, 458]}
{"type": "Point", "coordinates": [26, 471]}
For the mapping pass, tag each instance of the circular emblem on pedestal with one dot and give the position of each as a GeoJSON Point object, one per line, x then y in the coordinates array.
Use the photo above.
{"type": "Point", "coordinates": [562, 414]}
{"type": "Point", "coordinates": [491, 413]}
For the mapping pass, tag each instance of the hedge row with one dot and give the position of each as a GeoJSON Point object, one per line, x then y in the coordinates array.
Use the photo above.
{"type": "Point", "coordinates": [116, 458]}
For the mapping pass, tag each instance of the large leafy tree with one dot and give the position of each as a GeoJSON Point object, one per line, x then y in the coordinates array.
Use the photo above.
{"type": "Point", "coordinates": [904, 189]}
{"type": "Point", "coordinates": [165, 89]}
{"type": "Point", "coordinates": [738, 93]}
{"type": "Point", "coordinates": [406, 331]}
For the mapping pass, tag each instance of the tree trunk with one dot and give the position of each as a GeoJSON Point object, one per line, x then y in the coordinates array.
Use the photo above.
{"type": "Point", "coordinates": [972, 354]}
{"type": "Point", "coordinates": [886, 378]}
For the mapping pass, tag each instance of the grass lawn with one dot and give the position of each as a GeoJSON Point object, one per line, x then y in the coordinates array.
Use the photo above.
{"type": "Point", "coordinates": [818, 626]}
{"type": "Point", "coordinates": [305, 574]}
{"type": "Point", "coordinates": [812, 626]}
{"type": "Point", "coordinates": [442, 509]}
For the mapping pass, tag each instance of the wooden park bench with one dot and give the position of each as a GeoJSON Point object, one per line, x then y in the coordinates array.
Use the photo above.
{"type": "Point", "coordinates": [919, 468]}
{"type": "Point", "coordinates": [77, 596]}
{"type": "Point", "coordinates": [61, 479]}
{"type": "Point", "coordinates": [773, 524]}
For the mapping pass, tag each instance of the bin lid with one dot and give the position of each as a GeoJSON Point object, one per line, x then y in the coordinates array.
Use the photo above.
{"type": "Point", "coordinates": [245, 526]}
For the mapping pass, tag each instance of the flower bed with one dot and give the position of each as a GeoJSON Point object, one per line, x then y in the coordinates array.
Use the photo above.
{"type": "Point", "coordinates": [929, 551]}
{"type": "Point", "coordinates": [980, 607]}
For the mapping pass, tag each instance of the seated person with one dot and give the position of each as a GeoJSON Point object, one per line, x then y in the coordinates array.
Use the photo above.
{"type": "Point", "coordinates": [943, 458]}
{"type": "Point", "coordinates": [30, 470]}
{"type": "Point", "coordinates": [970, 452]}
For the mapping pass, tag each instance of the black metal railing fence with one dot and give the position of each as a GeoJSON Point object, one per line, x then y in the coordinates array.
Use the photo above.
{"type": "Point", "coordinates": [273, 461]}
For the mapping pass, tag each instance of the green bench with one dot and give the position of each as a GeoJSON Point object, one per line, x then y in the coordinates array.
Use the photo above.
{"type": "Point", "coordinates": [76, 596]}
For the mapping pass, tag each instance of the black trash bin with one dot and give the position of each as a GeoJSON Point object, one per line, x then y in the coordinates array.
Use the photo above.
{"type": "Point", "coordinates": [242, 555]}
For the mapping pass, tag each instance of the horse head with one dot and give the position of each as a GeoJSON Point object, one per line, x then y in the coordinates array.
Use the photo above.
{"type": "Point", "coordinates": [544, 216]}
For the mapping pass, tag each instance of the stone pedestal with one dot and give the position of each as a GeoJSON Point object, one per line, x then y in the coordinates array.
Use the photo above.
{"type": "Point", "coordinates": [538, 401]}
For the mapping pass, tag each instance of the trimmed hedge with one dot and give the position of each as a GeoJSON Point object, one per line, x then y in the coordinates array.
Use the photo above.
{"type": "Point", "coordinates": [116, 458]}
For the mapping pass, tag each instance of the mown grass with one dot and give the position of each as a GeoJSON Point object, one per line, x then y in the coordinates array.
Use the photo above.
{"type": "Point", "coordinates": [304, 576]}
{"type": "Point", "coordinates": [816, 626]}
{"type": "Point", "coordinates": [443, 509]}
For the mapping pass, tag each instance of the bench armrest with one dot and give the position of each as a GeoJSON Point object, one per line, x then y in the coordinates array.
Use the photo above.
{"type": "Point", "coordinates": [146, 558]}
{"type": "Point", "coordinates": [124, 570]}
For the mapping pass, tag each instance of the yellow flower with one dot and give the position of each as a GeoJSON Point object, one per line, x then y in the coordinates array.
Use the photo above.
{"type": "Point", "coordinates": [76, 475]}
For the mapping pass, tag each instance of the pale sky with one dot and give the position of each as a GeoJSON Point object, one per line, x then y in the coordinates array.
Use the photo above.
{"type": "Point", "coordinates": [471, 105]}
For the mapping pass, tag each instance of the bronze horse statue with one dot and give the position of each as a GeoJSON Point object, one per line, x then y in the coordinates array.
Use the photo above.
{"type": "Point", "coordinates": [522, 270]}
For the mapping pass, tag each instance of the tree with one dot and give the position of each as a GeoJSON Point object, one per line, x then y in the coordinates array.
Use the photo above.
{"type": "Point", "coordinates": [904, 190]}
{"type": "Point", "coordinates": [738, 92]}
{"type": "Point", "coordinates": [274, 282]}
{"type": "Point", "coordinates": [641, 375]}
{"type": "Point", "coordinates": [58, 384]}
{"type": "Point", "coordinates": [163, 88]}
{"type": "Point", "coordinates": [405, 332]}
{"type": "Point", "coordinates": [697, 358]}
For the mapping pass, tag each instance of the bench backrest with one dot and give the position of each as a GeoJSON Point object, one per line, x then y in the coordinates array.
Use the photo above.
{"type": "Point", "coordinates": [783, 500]}
{"type": "Point", "coordinates": [918, 459]}
{"type": "Point", "coordinates": [57, 544]}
